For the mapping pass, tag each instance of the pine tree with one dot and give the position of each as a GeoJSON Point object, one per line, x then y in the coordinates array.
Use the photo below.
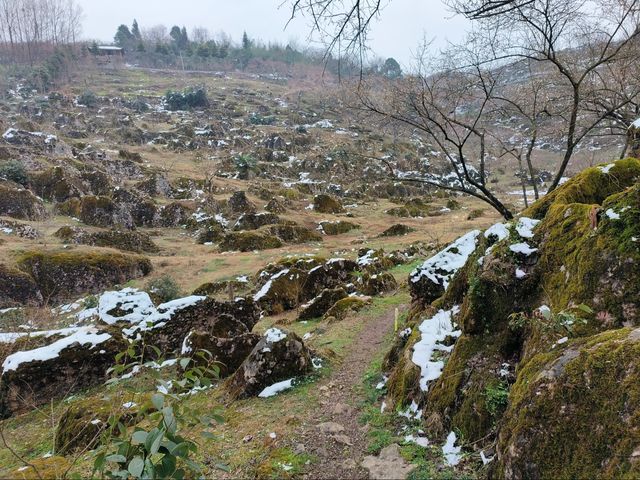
{"type": "Point", "coordinates": [135, 30]}
{"type": "Point", "coordinates": [123, 37]}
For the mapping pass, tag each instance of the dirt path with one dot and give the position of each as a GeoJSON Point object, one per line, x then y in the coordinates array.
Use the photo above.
{"type": "Point", "coordinates": [332, 434]}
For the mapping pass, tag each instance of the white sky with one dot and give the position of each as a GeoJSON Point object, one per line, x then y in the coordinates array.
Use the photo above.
{"type": "Point", "coordinates": [401, 28]}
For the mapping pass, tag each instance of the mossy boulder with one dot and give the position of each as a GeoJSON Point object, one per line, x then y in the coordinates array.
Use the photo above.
{"type": "Point", "coordinates": [375, 261]}
{"type": "Point", "coordinates": [225, 353]}
{"type": "Point", "coordinates": [334, 273]}
{"type": "Point", "coordinates": [228, 287]}
{"type": "Point", "coordinates": [573, 412]}
{"type": "Point", "coordinates": [82, 423]}
{"type": "Point", "coordinates": [576, 250]}
{"type": "Point", "coordinates": [324, 203]}
{"type": "Point", "coordinates": [338, 227]}
{"type": "Point", "coordinates": [56, 184]}
{"type": "Point", "coordinates": [415, 208]}
{"type": "Point", "coordinates": [101, 211]}
{"type": "Point", "coordinates": [239, 204]}
{"type": "Point", "coordinates": [17, 288]}
{"type": "Point", "coordinates": [248, 241]}
{"type": "Point", "coordinates": [278, 356]}
{"type": "Point", "coordinates": [378, 283]}
{"type": "Point", "coordinates": [397, 230]}
{"type": "Point", "coordinates": [35, 377]}
{"type": "Point", "coordinates": [218, 319]}
{"type": "Point", "coordinates": [253, 221]}
{"type": "Point", "coordinates": [294, 233]}
{"type": "Point", "coordinates": [130, 241]}
{"type": "Point", "coordinates": [66, 275]}
{"type": "Point", "coordinates": [20, 203]}
{"type": "Point", "coordinates": [174, 214]}
{"type": "Point", "coordinates": [319, 305]}
{"type": "Point", "coordinates": [276, 205]}
{"type": "Point", "coordinates": [282, 291]}
{"type": "Point", "coordinates": [343, 307]}
{"type": "Point", "coordinates": [154, 185]}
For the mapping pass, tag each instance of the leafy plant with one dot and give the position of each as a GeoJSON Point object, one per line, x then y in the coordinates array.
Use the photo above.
{"type": "Point", "coordinates": [14, 171]}
{"type": "Point", "coordinates": [496, 397]}
{"type": "Point", "coordinates": [559, 322]}
{"type": "Point", "coordinates": [164, 287]}
{"type": "Point", "coordinates": [88, 99]}
{"type": "Point", "coordinates": [161, 450]}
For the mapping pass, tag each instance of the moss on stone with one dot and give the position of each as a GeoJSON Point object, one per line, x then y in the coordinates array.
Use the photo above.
{"type": "Point", "coordinates": [50, 468]}
{"type": "Point", "coordinates": [248, 241]}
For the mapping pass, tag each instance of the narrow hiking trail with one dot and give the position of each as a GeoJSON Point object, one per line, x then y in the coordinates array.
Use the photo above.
{"type": "Point", "coordinates": [332, 434]}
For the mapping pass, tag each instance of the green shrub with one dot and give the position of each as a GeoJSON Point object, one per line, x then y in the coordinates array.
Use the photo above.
{"type": "Point", "coordinates": [187, 99]}
{"type": "Point", "coordinates": [88, 99]}
{"type": "Point", "coordinates": [165, 288]}
{"type": "Point", "coordinates": [14, 170]}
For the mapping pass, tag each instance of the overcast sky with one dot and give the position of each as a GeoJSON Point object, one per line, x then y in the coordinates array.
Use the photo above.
{"type": "Point", "coordinates": [402, 25]}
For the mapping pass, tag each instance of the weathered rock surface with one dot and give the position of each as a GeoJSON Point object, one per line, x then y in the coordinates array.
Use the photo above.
{"type": "Point", "coordinates": [318, 306]}
{"type": "Point", "coordinates": [65, 275]}
{"type": "Point", "coordinates": [17, 288]}
{"type": "Point", "coordinates": [20, 203]}
{"type": "Point", "coordinates": [327, 204]}
{"type": "Point", "coordinates": [389, 465]}
{"type": "Point", "coordinates": [34, 377]}
{"type": "Point", "coordinates": [567, 412]}
{"type": "Point", "coordinates": [226, 353]}
{"type": "Point", "coordinates": [278, 356]}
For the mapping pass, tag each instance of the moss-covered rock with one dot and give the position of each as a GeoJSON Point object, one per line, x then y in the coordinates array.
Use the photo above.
{"type": "Point", "coordinates": [225, 353]}
{"type": "Point", "coordinates": [560, 422]}
{"type": "Point", "coordinates": [276, 205]}
{"type": "Point", "coordinates": [343, 307]}
{"type": "Point", "coordinates": [294, 233]}
{"type": "Point", "coordinates": [338, 227]}
{"type": "Point", "coordinates": [319, 305]}
{"type": "Point", "coordinates": [378, 283]}
{"type": "Point", "coordinates": [248, 241]}
{"type": "Point", "coordinates": [573, 412]}
{"type": "Point", "coordinates": [253, 221]}
{"type": "Point", "coordinates": [66, 275]}
{"type": "Point", "coordinates": [397, 230]}
{"type": "Point", "coordinates": [239, 204]}
{"type": "Point", "coordinates": [56, 184]}
{"type": "Point", "coordinates": [73, 363]}
{"type": "Point", "coordinates": [334, 273]}
{"type": "Point", "coordinates": [278, 356]}
{"type": "Point", "coordinates": [20, 203]}
{"type": "Point", "coordinates": [17, 288]}
{"type": "Point", "coordinates": [327, 204]}
{"type": "Point", "coordinates": [282, 291]}
{"type": "Point", "coordinates": [82, 423]}
{"type": "Point", "coordinates": [104, 212]}
{"type": "Point", "coordinates": [415, 208]}
{"type": "Point", "coordinates": [131, 241]}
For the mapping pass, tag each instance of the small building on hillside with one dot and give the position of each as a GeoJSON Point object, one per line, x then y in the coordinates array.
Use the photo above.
{"type": "Point", "coordinates": [106, 51]}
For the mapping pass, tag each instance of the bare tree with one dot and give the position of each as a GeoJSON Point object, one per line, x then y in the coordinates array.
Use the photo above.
{"type": "Point", "coordinates": [451, 107]}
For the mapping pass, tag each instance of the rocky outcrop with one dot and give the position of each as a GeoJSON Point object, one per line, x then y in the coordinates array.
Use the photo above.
{"type": "Point", "coordinates": [20, 203]}
{"type": "Point", "coordinates": [537, 323]}
{"type": "Point", "coordinates": [327, 204]}
{"type": "Point", "coordinates": [378, 283]}
{"type": "Point", "coordinates": [34, 377]}
{"type": "Point", "coordinates": [278, 356]}
{"type": "Point", "coordinates": [397, 230]}
{"type": "Point", "coordinates": [253, 221]}
{"type": "Point", "coordinates": [130, 241]}
{"type": "Point", "coordinates": [338, 227]}
{"type": "Point", "coordinates": [66, 275]}
{"type": "Point", "coordinates": [248, 241]}
{"type": "Point", "coordinates": [17, 288]}
{"type": "Point", "coordinates": [239, 204]}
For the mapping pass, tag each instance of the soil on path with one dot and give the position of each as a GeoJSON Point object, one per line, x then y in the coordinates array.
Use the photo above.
{"type": "Point", "coordinates": [332, 434]}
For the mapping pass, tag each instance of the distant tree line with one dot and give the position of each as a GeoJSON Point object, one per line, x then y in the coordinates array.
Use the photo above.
{"type": "Point", "coordinates": [31, 30]}
{"type": "Point", "coordinates": [199, 48]}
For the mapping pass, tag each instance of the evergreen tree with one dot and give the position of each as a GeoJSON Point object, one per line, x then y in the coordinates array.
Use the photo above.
{"type": "Point", "coordinates": [391, 68]}
{"type": "Point", "coordinates": [123, 37]}
{"type": "Point", "coordinates": [94, 48]}
{"type": "Point", "coordinates": [246, 42]}
{"type": "Point", "coordinates": [135, 30]}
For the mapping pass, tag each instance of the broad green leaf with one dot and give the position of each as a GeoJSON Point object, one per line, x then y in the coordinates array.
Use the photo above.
{"type": "Point", "coordinates": [136, 466]}
{"type": "Point", "coordinates": [139, 437]}
{"type": "Point", "coordinates": [157, 400]}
